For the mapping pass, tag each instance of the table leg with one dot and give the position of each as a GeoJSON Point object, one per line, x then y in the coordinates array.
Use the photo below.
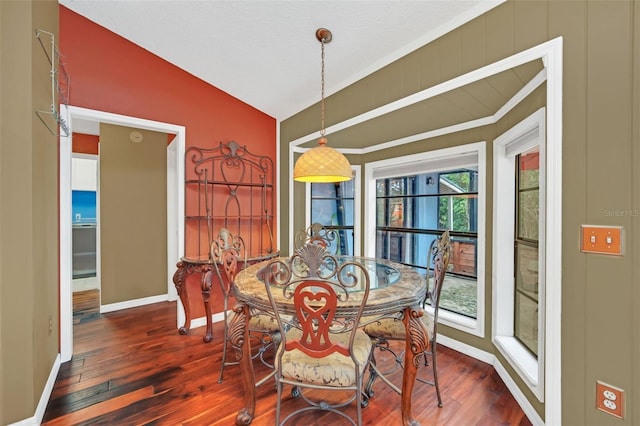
{"type": "Point", "coordinates": [416, 344]}
{"type": "Point", "coordinates": [181, 288]}
{"type": "Point", "coordinates": [206, 293]}
{"type": "Point", "coordinates": [241, 344]}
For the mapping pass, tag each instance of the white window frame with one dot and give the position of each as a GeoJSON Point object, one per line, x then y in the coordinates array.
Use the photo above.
{"type": "Point", "coordinates": [525, 135]}
{"type": "Point", "coordinates": [551, 53]}
{"type": "Point", "coordinates": [473, 154]}
{"type": "Point", "coordinates": [357, 210]}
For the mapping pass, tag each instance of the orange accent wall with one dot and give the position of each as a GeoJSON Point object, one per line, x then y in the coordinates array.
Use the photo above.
{"type": "Point", "coordinates": [109, 73]}
{"type": "Point", "coordinates": [84, 144]}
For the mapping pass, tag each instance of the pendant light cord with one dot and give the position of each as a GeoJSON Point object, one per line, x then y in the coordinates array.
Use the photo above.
{"type": "Point", "coordinates": [322, 132]}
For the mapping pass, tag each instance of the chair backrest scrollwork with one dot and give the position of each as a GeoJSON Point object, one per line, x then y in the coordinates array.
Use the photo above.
{"type": "Point", "coordinates": [316, 234]}
{"type": "Point", "coordinates": [317, 282]}
{"type": "Point", "coordinates": [228, 255]}
{"type": "Point", "coordinates": [438, 258]}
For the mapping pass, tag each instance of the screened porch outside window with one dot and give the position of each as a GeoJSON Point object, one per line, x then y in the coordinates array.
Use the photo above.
{"type": "Point", "coordinates": [332, 205]}
{"type": "Point", "coordinates": [527, 216]}
{"type": "Point", "coordinates": [411, 211]}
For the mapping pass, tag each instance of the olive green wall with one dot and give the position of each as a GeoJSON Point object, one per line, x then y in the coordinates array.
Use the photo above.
{"type": "Point", "coordinates": [28, 210]}
{"type": "Point", "coordinates": [601, 141]}
{"type": "Point", "coordinates": [133, 207]}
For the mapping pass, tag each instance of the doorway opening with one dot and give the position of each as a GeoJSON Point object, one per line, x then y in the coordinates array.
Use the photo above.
{"type": "Point", "coordinates": [77, 117]}
{"type": "Point", "coordinates": [85, 281]}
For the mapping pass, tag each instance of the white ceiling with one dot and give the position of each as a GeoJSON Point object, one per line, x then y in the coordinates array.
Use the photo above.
{"type": "Point", "coordinates": [264, 52]}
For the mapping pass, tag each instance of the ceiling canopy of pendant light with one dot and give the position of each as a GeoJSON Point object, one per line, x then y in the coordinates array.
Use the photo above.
{"type": "Point", "coordinates": [322, 163]}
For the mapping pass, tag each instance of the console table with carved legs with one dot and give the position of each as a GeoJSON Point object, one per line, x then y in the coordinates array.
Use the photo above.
{"type": "Point", "coordinates": [186, 267]}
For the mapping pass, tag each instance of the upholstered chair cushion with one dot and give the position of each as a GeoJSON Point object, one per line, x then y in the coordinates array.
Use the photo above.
{"type": "Point", "coordinates": [391, 328]}
{"type": "Point", "coordinates": [263, 322]}
{"type": "Point", "coordinates": [260, 322]}
{"type": "Point", "coordinates": [333, 370]}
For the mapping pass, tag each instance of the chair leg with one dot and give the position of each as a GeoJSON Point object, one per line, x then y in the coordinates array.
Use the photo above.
{"type": "Point", "coordinates": [435, 371]}
{"type": "Point", "coordinates": [360, 400]}
{"type": "Point", "coordinates": [364, 399]}
{"type": "Point", "coordinates": [296, 392]}
{"type": "Point", "coordinates": [373, 374]}
{"type": "Point", "coordinates": [278, 403]}
{"type": "Point", "coordinates": [225, 341]}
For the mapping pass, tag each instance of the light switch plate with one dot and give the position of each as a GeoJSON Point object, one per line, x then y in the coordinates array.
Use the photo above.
{"type": "Point", "coordinates": [602, 239]}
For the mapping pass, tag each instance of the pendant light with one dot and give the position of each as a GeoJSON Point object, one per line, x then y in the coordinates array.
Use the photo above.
{"type": "Point", "coordinates": [322, 163]}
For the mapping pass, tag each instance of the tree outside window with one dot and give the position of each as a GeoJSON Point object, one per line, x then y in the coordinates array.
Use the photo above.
{"type": "Point", "coordinates": [411, 211]}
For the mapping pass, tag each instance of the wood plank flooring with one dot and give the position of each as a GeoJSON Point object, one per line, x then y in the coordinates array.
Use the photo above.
{"type": "Point", "coordinates": [131, 367]}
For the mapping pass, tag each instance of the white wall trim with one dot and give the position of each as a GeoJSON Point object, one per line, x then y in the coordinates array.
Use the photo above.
{"type": "Point", "coordinates": [291, 204]}
{"type": "Point", "coordinates": [202, 321]}
{"type": "Point", "coordinates": [473, 154]}
{"type": "Point", "coordinates": [466, 349]}
{"type": "Point", "coordinates": [520, 398]}
{"type": "Point", "coordinates": [175, 211]}
{"type": "Point", "coordinates": [278, 189]}
{"type": "Point", "coordinates": [65, 249]}
{"type": "Point", "coordinates": [36, 419]}
{"type": "Point", "coordinates": [134, 303]}
{"type": "Point", "coordinates": [553, 295]}
{"type": "Point", "coordinates": [550, 52]}
{"type": "Point", "coordinates": [357, 209]}
{"type": "Point", "coordinates": [536, 52]}
{"type": "Point", "coordinates": [525, 135]}
{"type": "Point", "coordinates": [489, 358]}
{"type": "Point", "coordinates": [480, 8]}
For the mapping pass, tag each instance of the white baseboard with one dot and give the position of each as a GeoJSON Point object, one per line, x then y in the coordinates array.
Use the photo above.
{"type": "Point", "coordinates": [83, 284]}
{"type": "Point", "coordinates": [202, 321]}
{"type": "Point", "coordinates": [528, 409]}
{"type": "Point", "coordinates": [133, 303]}
{"type": "Point", "coordinates": [489, 358]}
{"type": "Point", "coordinates": [44, 398]}
{"type": "Point", "coordinates": [36, 420]}
{"type": "Point", "coordinates": [468, 350]}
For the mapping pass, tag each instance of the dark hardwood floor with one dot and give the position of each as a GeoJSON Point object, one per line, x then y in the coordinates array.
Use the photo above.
{"type": "Point", "coordinates": [131, 367]}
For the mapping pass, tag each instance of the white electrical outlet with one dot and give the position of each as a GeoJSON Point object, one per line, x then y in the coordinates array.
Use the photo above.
{"type": "Point", "coordinates": [610, 399]}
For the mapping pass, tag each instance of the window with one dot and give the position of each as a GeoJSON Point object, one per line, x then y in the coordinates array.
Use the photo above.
{"type": "Point", "coordinates": [332, 205]}
{"type": "Point", "coordinates": [527, 207]}
{"type": "Point", "coordinates": [519, 249]}
{"type": "Point", "coordinates": [412, 210]}
{"type": "Point", "coordinates": [416, 198]}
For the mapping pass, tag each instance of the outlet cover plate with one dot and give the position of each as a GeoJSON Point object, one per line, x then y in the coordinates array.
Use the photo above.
{"type": "Point", "coordinates": [610, 399]}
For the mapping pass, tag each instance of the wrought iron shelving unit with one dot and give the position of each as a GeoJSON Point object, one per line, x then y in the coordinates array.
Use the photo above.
{"type": "Point", "coordinates": [228, 186]}
{"type": "Point", "coordinates": [225, 187]}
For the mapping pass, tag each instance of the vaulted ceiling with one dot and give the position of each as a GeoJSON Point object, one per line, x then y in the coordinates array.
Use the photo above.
{"type": "Point", "coordinates": [265, 52]}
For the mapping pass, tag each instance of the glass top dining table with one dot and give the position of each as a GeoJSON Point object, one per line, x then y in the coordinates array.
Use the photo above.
{"type": "Point", "coordinates": [396, 291]}
{"type": "Point", "coordinates": [393, 286]}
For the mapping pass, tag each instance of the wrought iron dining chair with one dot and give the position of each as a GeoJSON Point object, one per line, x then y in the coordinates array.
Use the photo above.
{"type": "Point", "coordinates": [320, 348]}
{"type": "Point", "coordinates": [317, 234]}
{"type": "Point", "coordinates": [229, 256]}
{"type": "Point", "coordinates": [385, 329]}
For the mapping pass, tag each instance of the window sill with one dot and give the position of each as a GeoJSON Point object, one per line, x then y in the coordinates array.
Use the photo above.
{"type": "Point", "coordinates": [460, 322]}
{"type": "Point", "coordinates": [525, 364]}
